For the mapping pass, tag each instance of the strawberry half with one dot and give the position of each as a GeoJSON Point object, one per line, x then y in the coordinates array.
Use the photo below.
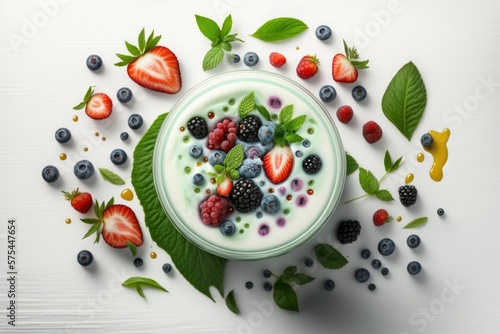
{"type": "Point", "coordinates": [345, 67]}
{"type": "Point", "coordinates": [97, 106]}
{"type": "Point", "coordinates": [278, 163]}
{"type": "Point", "coordinates": [151, 66]}
{"type": "Point", "coordinates": [225, 187]}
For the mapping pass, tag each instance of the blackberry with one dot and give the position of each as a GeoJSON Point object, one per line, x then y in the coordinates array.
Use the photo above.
{"type": "Point", "coordinates": [248, 129]}
{"type": "Point", "coordinates": [407, 195]}
{"type": "Point", "coordinates": [348, 231]}
{"type": "Point", "coordinates": [312, 164]}
{"type": "Point", "coordinates": [197, 126]}
{"type": "Point", "coordinates": [246, 195]}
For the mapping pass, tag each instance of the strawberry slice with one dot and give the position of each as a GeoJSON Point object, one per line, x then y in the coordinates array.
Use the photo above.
{"type": "Point", "coordinates": [345, 67]}
{"type": "Point", "coordinates": [225, 187]}
{"type": "Point", "coordinates": [97, 106]}
{"type": "Point", "coordinates": [151, 66]}
{"type": "Point", "coordinates": [278, 163]}
{"type": "Point", "coordinates": [121, 226]}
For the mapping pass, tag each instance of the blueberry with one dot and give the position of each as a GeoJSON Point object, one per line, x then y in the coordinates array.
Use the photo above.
{"type": "Point", "coordinates": [365, 253]}
{"type": "Point", "coordinates": [413, 241]}
{"type": "Point", "coordinates": [124, 136]}
{"type": "Point", "coordinates": [138, 262]}
{"type": "Point", "coordinates": [306, 143]}
{"type": "Point", "coordinates": [198, 179]}
{"type": "Point", "coordinates": [323, 32]}
{"type": "Point", "coordinates": [386, 246]}
{"type": "Point", "coordinates": [118, 156]}
{"type": "Point", "coordinates": [385, 271]}
{"type": "Point", "coordinates": [270, 203]}
{"type": "Point", "coordinates": [94, 62]}
{"type": "Point", "coordinates": [227, 227]}
{"type": "Point", "coordinates": [124, 94]}
{"type": "Point", "coordinates": [266, 132]}
{"type": "Point", "coordinates": [376, 264]}
{"type": "Point", "coordinates": [440, 211]}
{"type": "Point", "coordinates": [299, 154]}
{"type": "Point", "coordinates": [329, 285]}
{"type": "Point", "coordinates": [135, 121]}
{"type": "Point", "coordinates": [50, 173]}
{"type": "Point", "coordinates": [268, 286]}
{"type": "Point", "coordinates": [309, 262]}
{"type": "Point", "coordinates": [414, 268]}
{"type": "Point", "coordinates": [267, 273]}
{"type": "Point", "coordinates": [426, 140]}
{"type": "Point", "coordinates": [84, 258]}
{"type": "Point", "coordinates": [248, 285]}
{"type": "Point", "coordinates": [196, 151]}
{"type": "Point", "coordinates": [63, 135]}
{"type": "Point", "coordinates": [251, 59]}
{"type": "Point", "coordinates": [167, 267]}
{"type": "Point", "coordinates": [359, 93]}
{"type": "Point", "coordinates": [83, 169]}
{"type": "Point", "coordinates": [362, 275]}
{"type": "Point", "coordinates": [235, 58]}
{"type": "Point", "coordinates": [372, 287]}
{"type": "Point", "coordinates": [327, 93]}
{"type": "Point", "coordinates": [250, 168]}
{"type": "Point", "coordinates": [216, 157]}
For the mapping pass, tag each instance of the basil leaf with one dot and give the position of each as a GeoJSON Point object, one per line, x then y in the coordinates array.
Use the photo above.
{"type": "Point", "coordinates": [368, 181]}
{"type": "Point", "coordinates": [208, 27]}
{"type": "Point", "coordinates": [352, 164]}
{"type": "Point", "coordinates": [111, 177]}
{"type": "Point", "coordinates": [329, 257]}
{"type": "Point", "coordinates": [384, 195]}
{"type": "Point", "coordinates": [279, 29]}
{"type": "Point", "coordinates": [246, 105]}
{"type": "Point", "coordinates": [416, 222]}
{"type": "Point", "coordinates": [139, 282]}
{"type": "Point", "coordinates": [302, 279]}
{"type": "Point", "coordinates": [231, 303]}
{"type": "Point", "coordinates": [213, 57]}
{"type": "Point", "coordinates": [404, 100]}
{"type": "Point", "coordinates": [285, 297]}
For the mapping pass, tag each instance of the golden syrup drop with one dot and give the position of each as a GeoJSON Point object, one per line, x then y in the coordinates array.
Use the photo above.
{"type": "Point", "coordinates": [182, 129]}
{"type": "Point", "coordinates": [207, 191]}
{"type": "Point", "coordinates": [198, 164]}
{"type": "Point", "coordinates": [310, 191]}
{"type": "Point", "coordinates": [205, 159]}
{"type": "Point", "coordinates": [103, 138]}
{"type": "Point", "coordinates": [439, 152]}
{"type": "Point", "coordinates": [97, 134]}
{"type": "Point", "coordinates": [85, 149]}
{"type": "Point", "coordinates": [420, 157]}
{"type": "Point", "coordinates": [153, 255]}
{"type": "Point", "coordinates": [289, 197]}
{"type": "Point", "coordinates": [211, 115]}
{"type": "Point", "coordinates": [399, 219]}
{"type": "Point", "coordinates": [75, 118]}
{"type": "Point", "coordinates": [68, 221]}
{"type": "Point", "coordinates": [127, 194]}
{"type": "Point", "coordinates": [297, 48]}
{"type": "Point", "coordinates": [213, 180]}
{"type": "Point", "coordinates": [409, 178]}
{"type": "Point", "coordinates": [63, 156]}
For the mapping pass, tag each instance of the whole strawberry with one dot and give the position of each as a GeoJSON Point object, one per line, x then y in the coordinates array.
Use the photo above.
{"type": "Point", "coordinates": [277, 59]}
{"type": "Point", "coordinates": [380, 217]}
{"type": "Point", "coordinates": [372, 132]}
{"type": "Point", "coordinates": [307, 67]}
{"type": "Point", "coordinates": [81, 202]}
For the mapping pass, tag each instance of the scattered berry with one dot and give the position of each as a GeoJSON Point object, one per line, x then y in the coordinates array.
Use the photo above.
{"type": "Point", "coordinates": [124, 94]}
{"type": "Point", "coordinates": [235, 58]}
{"type": "Point", "coordinates": [327, 93]}
{"type": "Point", "coordinates": [225, 187]}
{"type": "Point", "coordinates": [94, 62]}
{"type": "Point", "coordinates": [372, 287]}
{"type": "Point", "coordinates": [249, 285]}
{"type": "Point", "coordinates": [414, 268]}
{"type": "Point", "coordinates": [135, 121]}
{"type": "Point", "coordinates": [223, 136]}
{"type": "Point", "coordinates": [213, 210]}
{"type": "Point", "coordinates": [278, 163]}
{"type": "Point", "coordinates": [385, 271]}
{"type": "Point", "coordinates": [83, 169]}
{"type": "Point", "coordinates": [268, 286]}
{"type": "Point", "coordinates": [323, 32]}
{"type": "Point", "coordinates": [120, 226]}
{"type": "Point", "coordinates": [63, 135]}
{"type": "Point", "coordinates": [407, 195]}
{"type": "Point", "coordinates": [359, 93]}
{"type": "Point", "coordinates": [251, 58]}
{"type": "Point", "coordinates": [348, 231]}
{"type": "Point", "coordinates": [307, 67]}
{"type": "Point", "coordinates": [248, 129]}
{"type": "Point", "coordinates": [124, 135]}
{"type": "Point", "coordinates": [216, 157]}
{"type": "Point", "coordinates": [80, 201]}
{"type": "Point", "coordinates": [362, 275]}
{"type": "Point", "coordinates": [329, 285]}
{"type": "Point", "coordinates": [344, 114]}
{"type": "Point", "coordinates": [50, 173]}
{"type": "Point", "coordinates": [84, 258]}
{"type": "Point", "coordinates": [413, 241]}
{"type": "Point", "coordinates": [266, 132]}
{"type": "Point", "coordinates": [440, 211]}
{"type": "Point", "coordinates": [118, 156]}
{"type": "Point", "coordinates": [167, 267]}
{"type": "Point", "coordinates": [198, 179]}
{"type": "Point", "coordinates": [227, 227]}
{"type": "Point", "coordinates": [426, 140]}
{"type": "Point", "coordinates": [345, 67]}
{"type": "Point", "coordinates": [277, 59]}
{"type": "Point", "coordinates": [138, 262]}
{"type": "Point", "coordinates": [386, 247]}
{"type": "Point", "coordinates": [365, 253]}
{"type": "Point", "coordinates": [306, 143]}
{"type": "Point", "coordinates": [380, 217]}
{"type": "Point", "coordinates": [246, 195]}
{"type": "Point", "coordinates": [312, 164]}
{"type": "Point", "coordinates": [372, 132]}
{"type": "Point", "coordinates": [250, 168]}
{"type": "Point", "coordinates": [97, 105]}
{"type": "Point", "coordinates": [197, 127]}
{"type": "Point", "coordinates": [267, 273]}
{"type": "Point", "coordinates": [309, 262]}
{"type": "Point", "coordinates": [270, 204]}
{"type": "Point", "coordinates": [196, 151]}
{"type": "Point", "coordinates": [376, 264]}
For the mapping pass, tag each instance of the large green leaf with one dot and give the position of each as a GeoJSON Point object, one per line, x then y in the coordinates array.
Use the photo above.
{"type": "Point", "coordinates": [200, 268]}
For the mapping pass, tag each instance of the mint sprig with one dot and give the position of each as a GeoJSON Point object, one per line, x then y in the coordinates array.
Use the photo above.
{"type": "Point", "coordinates": [231, 163]}
{"type": "Point", "coordinates": [220, 37]}
{"type": "Point", "coordinates": [287, 126]}
{"type": "Point", "coordinates": [139, 282]}
{"type": "Point", "coordinates": [283, 293]}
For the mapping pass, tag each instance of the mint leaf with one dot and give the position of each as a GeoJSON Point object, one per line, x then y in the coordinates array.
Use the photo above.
{"type": "Point", "coordinates": [139, 282]}
{"type": "Point", "coordinates": [352, 164]}
{"type": "Point", "coordinates": [221, 178]}
{"type": "Point", "coordinates": [234, 174]}
{"type": "Point", "coordinates": [234, 157]}
{"type": "Point", "coordinates": [231, 303]}
{"type": "Point", "coordinates": [296, 123]}
{"type": "Point", "coordinates": [219, 169]}
{"type": "Point", "coordinates": [404, 100]}
{"type": "Point", "coordinates": [286, 114]}
{"type": "Point", "coordinates": [227, 25]}
{"type": "Point", "coordinates": [301, 279]}
{"type": "Point", "coordinates": [264, 112]}
{"type": "Point", "coordinates": [289, 273]}
{"type": "Point", "coordinates": [279, 29]}
{"type": "Point", "coordinates": [329, 257]}
{"type": "Point", "coordinates": [246, 105]}
{"type": "Point", "coordinates": [416, 222]}
{"type": "Point", "coordinates": [387, 161]}
{"type": "Point", "coordinates": [199, 267]}
{"type": "Point", "coordinates": [213, 57]}
{"type": "Point", "coordinates": [384, 195]}
{"type": "Point", "coordinates": [111, 177]}
{"type": "Point", "coordinates": [293, 138]}
{"type": "Point", "coordinates": [209, 28]}
{"type": "Point", "coordinates": [368, 181]}
{"type": "Point", "coordinates": [285, 297]}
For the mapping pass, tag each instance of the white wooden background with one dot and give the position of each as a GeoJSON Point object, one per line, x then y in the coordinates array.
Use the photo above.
{"type": "Point", "coordinates": [455, 44]}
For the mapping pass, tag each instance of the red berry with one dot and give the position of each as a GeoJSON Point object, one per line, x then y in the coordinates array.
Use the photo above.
{"type": "Point", "coordinates": [80, 201]}
{"type": "Point", "coordinates": [344, 114]}
{"type": "Point", "coordinates": [307, 67]}
{"type": "Point", "coordinates": [372, 132]}
{"type": "Point", "coordinates": [380, 217]}
{"type": "Point", "coordinates": [214, 210]}
{"type": "Point", "coordinates": [277, 59]}
{"type": "Point", "coordinates": [223, 136]}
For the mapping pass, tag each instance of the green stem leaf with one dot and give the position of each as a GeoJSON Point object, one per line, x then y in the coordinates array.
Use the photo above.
{"type": "Point", "coordinates": [329, 257]}
{"type": "Point", "coordinates": [285, 297]}
{"type": "Point", "coordinates": [279, 29]}
{"type": "Point", "coordinates": [416, 223]}
{"type": "Point", "coordinates": [231, 303]}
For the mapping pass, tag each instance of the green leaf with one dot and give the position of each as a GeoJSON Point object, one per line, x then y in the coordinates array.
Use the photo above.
{"type": "Point", "coordinates": [396, 165]}
{"type": "Point", "coordinates": [213, 57]}
{"type": "Point", "coordinates": [368, 181]}
{"type": "Point", "coordinates": [80, 106]}
{"type": "Point", "coordinates": [199, 267]}
{"type": "Point", "coordinates": [285, 297]}
{"type": "Point", "coordinates": [132, 49]}
{"type": "Point", "coordinates": [329, 257]}
{"type": "Point", "coordinates": [227, 25]}
{"type": "Point", "coordinates": [111, 176]}
{"type": "Point", "coordinates": [293, 138]}
{"type": "Point", "coordinates": [387, 161]}
{"type": "Point", "coordinates": [352, 164]}
{"type": "Point", "coordinates": [93, 229]}
{"type": "Point", "coordinates": [246, 105]}
{"type": "Point", "coordinates": [139, 282]}
{"type": "Point", "coordinates": [289, 273]}
{"type": "Point", "coordinates": [221, 178]}
{"type": "Point", "coordinates": [90, 220]}
{"type": "Point", "coordinates": [302, 279]}
{"type": "Point", "coordinates": [219, 169]}
{"type": "Point", "coordinates": [142, 40]}
{"type": "Point", "coordinates": [234, 174]}
{"type": "Point", "coordinates": [416, 222]}
{"type": "Point", "coordinates": [234, 157]}
{"type": "Point", "coordinates": [384, 195]}
{"type": "Point", "coordinates": [279, 29]}
{"type": "Point", "coordinates": [286, 114]}
{"type": "Point", "coordinates": [226, 46]}
{"type": "Point", "coordinates": [132, 247]}
{"type": "Point", "coordinates": [296, 123]}
{"type": "Point", "coordinates": [264, 112]}
{"type": "Point", "coordinates": [404, 100]}
{"type": "Point", "coordinates": [140, 292]}
{"type": "Point", "coordinates": [208, 27]}
{"type": "Point", "coordinates": [231, 303]}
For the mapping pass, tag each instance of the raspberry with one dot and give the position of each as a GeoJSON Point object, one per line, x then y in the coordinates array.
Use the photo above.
{"type": "Point", "coordinates": [213, 210]}
{"type": "Point", "coordinates": [246, 195]}
{"type": "Point", "coordinates": [348, 231]}
{"type": "Point", "coordinates": [372, 132]}
{"type": "Point", "coordinates": [277, 59]}
{"type": "Point", "coordinates": [344, 114]}
{"type": "Point", "coordinates": [380, 217]}
{"type": "Point", "coordinates": [407, 195]}
{"type": "Point", "coordinates": [197, 126]}
{"type": "Point", "coordinates": [248, 129]}
{"type": "Point", "coordinates": [222, 136]}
